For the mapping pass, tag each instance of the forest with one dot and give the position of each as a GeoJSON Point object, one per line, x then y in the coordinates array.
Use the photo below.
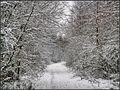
{"type": "Point", "coordinates": [42, 37]}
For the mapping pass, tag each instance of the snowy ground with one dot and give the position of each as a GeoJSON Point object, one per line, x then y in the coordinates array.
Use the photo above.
{"type": "Point", "coordinates": [57, 76]}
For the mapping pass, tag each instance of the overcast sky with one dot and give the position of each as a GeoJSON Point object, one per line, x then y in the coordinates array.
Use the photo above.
{"type": "Point", "coordinates": [70, 3]}
{"type": "Point", "coordinates": [67, 10]}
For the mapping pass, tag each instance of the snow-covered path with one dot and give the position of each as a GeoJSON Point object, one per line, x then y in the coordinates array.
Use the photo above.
{"type": "Point", "coordinates": [57, 76]}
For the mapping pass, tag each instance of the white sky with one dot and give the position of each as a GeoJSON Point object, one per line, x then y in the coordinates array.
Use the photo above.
{"type": "Point", "coordinates": [70, 3]}
{"type": "Point", "coordinates": [67, 10]}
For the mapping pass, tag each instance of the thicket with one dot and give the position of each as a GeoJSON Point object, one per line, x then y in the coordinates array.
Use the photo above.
{"type": "Point", "coordinates": [27, 32]}
{"type": "Point", "coordinates": [93, 51]}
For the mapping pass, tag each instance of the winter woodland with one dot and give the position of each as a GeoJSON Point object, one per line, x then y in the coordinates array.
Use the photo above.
{"type": "Point", "coordinates": [59, 44]}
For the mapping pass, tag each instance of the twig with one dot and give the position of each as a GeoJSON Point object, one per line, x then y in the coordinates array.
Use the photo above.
{"type": "Point", "coordinates": [11, 14]}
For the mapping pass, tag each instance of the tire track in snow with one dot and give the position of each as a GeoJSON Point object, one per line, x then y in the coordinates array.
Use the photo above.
{"type": "Point", "coordinates": [52, 80]}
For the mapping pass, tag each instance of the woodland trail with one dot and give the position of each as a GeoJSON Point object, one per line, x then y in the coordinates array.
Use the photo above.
{"type": "Point", "coordinates": [57, 76]}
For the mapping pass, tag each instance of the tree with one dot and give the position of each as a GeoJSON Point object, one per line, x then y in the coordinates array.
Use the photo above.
{"type": "Point", "coordinates": [90, 24]}
{"type": "Point", "coordinates": [28, 29]}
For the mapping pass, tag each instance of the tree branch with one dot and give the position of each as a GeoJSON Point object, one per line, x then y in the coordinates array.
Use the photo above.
{"type": "Point", "coordinates": [20, 36]}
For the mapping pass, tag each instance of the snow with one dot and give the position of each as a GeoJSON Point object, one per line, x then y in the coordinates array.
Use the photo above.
{"type": "Point", "coordinates": [58, 76]}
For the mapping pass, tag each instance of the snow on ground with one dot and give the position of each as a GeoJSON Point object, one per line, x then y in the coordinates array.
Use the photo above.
{"type": "Point", "coordinates": [57, 76]}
